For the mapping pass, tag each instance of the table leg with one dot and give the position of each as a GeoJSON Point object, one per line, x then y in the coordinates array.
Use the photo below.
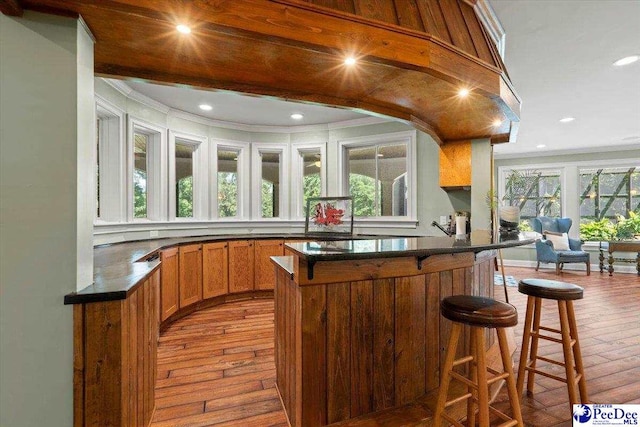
{"type": "Point", "coordinates": [638, 263]}
{"type": "Point", "coordinates": [601, 258]}
{"type": "Point", "coordinates": [610, 264]}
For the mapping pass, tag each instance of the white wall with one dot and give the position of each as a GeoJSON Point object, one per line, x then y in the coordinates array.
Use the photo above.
{"type": "Point", "coordinates": [46, 81]}
{"type": "Point", "coordinates": [432, 201]}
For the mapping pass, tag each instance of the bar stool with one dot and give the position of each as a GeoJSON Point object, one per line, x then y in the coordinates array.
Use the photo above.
{"type": "Point", "coordinates": [564, 293]}
{"type": "Point", "coordinates": [479, 313]}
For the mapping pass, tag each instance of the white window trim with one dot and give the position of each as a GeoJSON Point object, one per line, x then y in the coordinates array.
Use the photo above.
{"type": "Point", "coordinates": [200, 179]}
{"type": "Point", "coordinates": [244, 174]}
{"type": "Point", "coordinates": [502, 180]}
{"type": "Point", "coordinates": [407, 137]}
{"type": "Point", "coordinates": [157, 182]}
{"type": "Point", "coordinates": [297, 174]}
{"type": "Point", "coordinates": [112, 162]}
{"type": "Point", "coordinates": [256, 179]}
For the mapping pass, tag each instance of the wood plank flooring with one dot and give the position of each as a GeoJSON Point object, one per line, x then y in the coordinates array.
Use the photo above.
{"type": "Point", "coordinates": [608, 319]}
{"type": "Point", "coordinates": [216, 366]}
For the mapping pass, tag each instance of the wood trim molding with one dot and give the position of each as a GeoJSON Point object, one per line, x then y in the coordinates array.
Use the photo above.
{"type": "Point", "coordinates": [11, 7]}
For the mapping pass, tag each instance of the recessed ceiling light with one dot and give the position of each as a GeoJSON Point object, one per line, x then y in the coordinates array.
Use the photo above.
{"type": "Point", "coordinates": [297, 116]}
{"type": "Point", "coordinates": [205, 107]}
{"type": "Point", "coordinates": [184, 29]}
{"type": "Point", "coordinates": [350, 60]}
{"type": "Point", "coordinates": [626, 60]}
{"type": "Point", "coordinates": [541, 146]}
{"type": "Point", "coordinates": [567, 119]}
{"type": "Point", "coordinates": [497, 123]}
{"type": "Point", "coordinates": [463, 92]}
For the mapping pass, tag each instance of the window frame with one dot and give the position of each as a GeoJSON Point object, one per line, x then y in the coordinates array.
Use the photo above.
{"type": "Point", "coordinates": [244, 174]}
{"type": "Point", "coordinates": [545, 169]}
{"type": "Point", "coordinates": [297, 174]}
{"type": "Point", "coordinates": [393, 138]}
{"type": "Point", "coordinates": [624, 169]}
{"type": "Point", "coordinates": [200, 181]}
{"type": "Point", "coordinates": [112, 140]}
{"type": "Point", "coordinates": [157, 188]}
{"type": "Point", "coordinates": [256, 179]}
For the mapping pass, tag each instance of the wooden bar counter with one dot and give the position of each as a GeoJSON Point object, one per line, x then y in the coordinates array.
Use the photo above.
{"type": "Point", "coordinates": [358, 325]}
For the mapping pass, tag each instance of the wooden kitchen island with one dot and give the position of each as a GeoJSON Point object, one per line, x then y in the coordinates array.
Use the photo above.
{"type": "Point", "coordinates": [358, 325]}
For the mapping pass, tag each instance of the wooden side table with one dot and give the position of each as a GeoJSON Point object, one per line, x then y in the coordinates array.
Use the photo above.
{"type": "Point", "coordinates": [620, 246]}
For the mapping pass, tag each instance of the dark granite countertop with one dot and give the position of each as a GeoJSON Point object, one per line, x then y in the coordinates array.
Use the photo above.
{"type": "Point", "coordinates": [120, 267]}
{"type": "Point", "coordinates": [390, 247]}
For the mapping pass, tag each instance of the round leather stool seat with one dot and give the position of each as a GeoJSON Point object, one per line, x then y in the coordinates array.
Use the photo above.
{"type": "Point", "coordinates": [479, 311]}
{"type": "Point", "coordinates": [550, 289]}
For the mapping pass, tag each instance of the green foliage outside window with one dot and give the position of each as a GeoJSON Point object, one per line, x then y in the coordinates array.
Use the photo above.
{"type": "Point", "coordinates": [311, 187]}
{"type": "Point", "coordinates": [227, 194]}
{"type": "Point", "coordinates": [139, 194]}
{"type": "Point", "coordinates": [184, 197]}
{"type": "Point", "coordinates": [267, 199]}
{"type": "Point", "coordinates": [605, 229]}
{"type": "Point", "coordinates": [363, 190]}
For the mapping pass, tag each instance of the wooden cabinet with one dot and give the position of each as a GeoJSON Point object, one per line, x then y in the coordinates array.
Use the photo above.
{"type": "Point", "coordinates": [169, 283]}
{"type": "Point", "coordinates": [215, 270]}
{"type": "Point", "coordinates": [190, 274]}
{"type": "Point", "coordinates": [455, 165]}
{"type": "Point", "coordinates": [241, 266]}
{"type": "Point", "coordinates": [265, 277]}
{"type": "Point", "coordinates": [115, 346]}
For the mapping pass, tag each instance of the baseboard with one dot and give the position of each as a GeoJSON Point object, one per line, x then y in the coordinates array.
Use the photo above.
{"type": "Point", "coordinates": [595, 268]}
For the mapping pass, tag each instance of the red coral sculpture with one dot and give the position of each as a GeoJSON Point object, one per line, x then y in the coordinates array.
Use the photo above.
{"type": "Point", "coordinates": [327, 215]}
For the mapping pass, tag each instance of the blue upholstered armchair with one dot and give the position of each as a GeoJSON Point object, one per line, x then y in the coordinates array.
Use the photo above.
{"type": "Point", "coordinates": [544, 248]}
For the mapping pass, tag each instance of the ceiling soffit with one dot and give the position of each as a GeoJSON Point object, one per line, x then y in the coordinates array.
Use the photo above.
{"type": "Point", "coordinates": [413, 56]}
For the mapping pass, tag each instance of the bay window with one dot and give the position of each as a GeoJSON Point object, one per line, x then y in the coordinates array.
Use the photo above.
{"type": "Point", "coordinates": [309, 178]}
{"type": "Point", "coordinates": [147, 166]}
{"type": "Point", "coordinates": [378, 172]}
{"type": "Point", "coordinates": [270, 181]}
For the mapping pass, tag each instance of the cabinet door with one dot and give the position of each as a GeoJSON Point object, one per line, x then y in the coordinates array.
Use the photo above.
{"type": "Point", "coordinates": [215, 270]}
{"type": "Point", "coordinates": [241, 266]}
{"type": "Point", "coordinates": [190, 274]}
{"type": "Point", "coordinates": [265, 274]}
{"type": "Point", "coordinates": [169, 283]}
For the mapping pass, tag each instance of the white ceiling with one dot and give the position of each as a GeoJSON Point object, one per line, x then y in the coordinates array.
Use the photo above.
{"type": "Point", "coordinates": [559, 54]}
{"type": "Point", "coordinates": [245, 109]}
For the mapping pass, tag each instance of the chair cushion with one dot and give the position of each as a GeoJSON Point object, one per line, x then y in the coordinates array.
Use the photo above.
{"type": "Point", "coordinates": [560, 240]}
{"type": "Point", "coordinates": [573, 256]}
{"type": "Point", "coordinates": [551, 289]}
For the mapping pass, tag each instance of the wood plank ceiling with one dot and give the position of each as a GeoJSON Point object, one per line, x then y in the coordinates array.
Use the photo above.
{"type": "Point", "coordinates": [413, 56]}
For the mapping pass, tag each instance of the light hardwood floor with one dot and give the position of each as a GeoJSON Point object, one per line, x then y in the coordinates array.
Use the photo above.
{"type": "Point", "coordinates": [216, 366]}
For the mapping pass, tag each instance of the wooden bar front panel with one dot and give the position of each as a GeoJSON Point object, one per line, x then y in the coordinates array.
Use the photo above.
{"type": "Point", "coordinates": [215, 270]}
{"type": "Point", "coordinates": [190, 274]}
{"type": "Point", "coordinates": [169, 282]}
{"type": "Point", "coordinates": [115, 358]}
{"type": "Point", "coordinates": [241, 266]}
{"type": "Point", "coordinates": [265, 277]}
{"type": "Point", "coordinates": [351, 348]}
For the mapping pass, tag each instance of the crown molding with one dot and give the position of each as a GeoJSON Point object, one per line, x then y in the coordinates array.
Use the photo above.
{"type": "Point", "coordinates": [564, 152]}
{"type": "Point", "coordinates": [130, 93]}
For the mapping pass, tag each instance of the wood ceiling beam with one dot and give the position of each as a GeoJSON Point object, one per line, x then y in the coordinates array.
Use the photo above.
{"type": "Point", "coordinates": [294, 50]}
{"type": "Point", "coordinates": [11, 7]}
